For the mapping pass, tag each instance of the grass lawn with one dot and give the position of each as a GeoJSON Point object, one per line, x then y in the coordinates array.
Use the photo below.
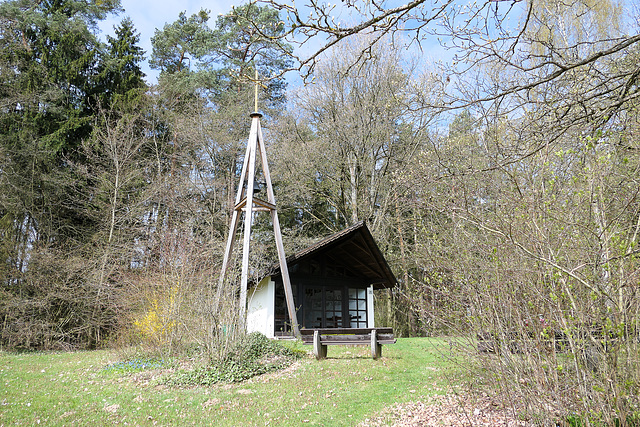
{"type": "Point", "coordinates": [83, 388]}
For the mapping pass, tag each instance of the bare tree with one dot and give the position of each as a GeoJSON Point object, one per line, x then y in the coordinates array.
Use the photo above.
{"type": "Point", "coordinates": [520, 36]}
{"type": "Point", "coordinates": [360, 128]}
{"type": "Point", "coordinates": [523, 217]}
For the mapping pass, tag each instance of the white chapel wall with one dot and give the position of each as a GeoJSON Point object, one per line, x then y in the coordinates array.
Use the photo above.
{"type": "Point", "coordinates": [260, 310]}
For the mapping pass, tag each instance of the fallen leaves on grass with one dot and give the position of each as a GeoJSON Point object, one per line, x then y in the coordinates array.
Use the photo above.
{"type": "Point", "coordinates": [447, 411]}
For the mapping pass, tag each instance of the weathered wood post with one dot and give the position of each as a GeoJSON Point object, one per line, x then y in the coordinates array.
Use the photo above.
{"type": "Point", "coordinates": [376, 348]}
{"type": "Point", "coordinates": [319, 349]}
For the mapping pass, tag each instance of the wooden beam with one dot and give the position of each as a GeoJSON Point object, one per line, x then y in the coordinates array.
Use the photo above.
{"type": "Point", "coordinates": [248, 216]}
{"type": "Point", "coordinates": [256, 201]}
{"type": "Point", "coordinates": [233, 227]}
{"type": "Point", "coordinates": [355, 260]}
{"type": "Point", "coordinates": [288, 292]}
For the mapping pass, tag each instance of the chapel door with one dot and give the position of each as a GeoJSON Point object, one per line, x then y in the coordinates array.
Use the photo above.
{"type": "Point", "coordinates": [323, 307]}
{"type": "Point", "coordinates": [333, 308]}
{"type": "Point", "coordinates": [313, 307]}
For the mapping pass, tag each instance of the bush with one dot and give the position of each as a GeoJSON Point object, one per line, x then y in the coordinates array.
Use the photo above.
{"type": "Point", "coordinates": [58, 304]}
{"type": "Point", "coordinates": [250, 356]}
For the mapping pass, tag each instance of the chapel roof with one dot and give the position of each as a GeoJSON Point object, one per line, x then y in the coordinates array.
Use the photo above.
{"type": "Point", "coordinates": [354, 246]}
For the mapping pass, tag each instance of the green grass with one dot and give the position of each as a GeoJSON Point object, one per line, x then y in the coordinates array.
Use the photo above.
{"type": "Point", "coordinates": [95, 388]}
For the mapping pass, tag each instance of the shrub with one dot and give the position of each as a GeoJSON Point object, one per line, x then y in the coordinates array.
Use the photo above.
{"type": "Point", "coordinates": [251, 355]}
{"type": "Point", "coordinates": [158, 320]}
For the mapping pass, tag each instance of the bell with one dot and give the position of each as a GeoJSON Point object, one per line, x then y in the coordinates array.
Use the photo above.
{"type": "Point", "coordinates": [256, 187]}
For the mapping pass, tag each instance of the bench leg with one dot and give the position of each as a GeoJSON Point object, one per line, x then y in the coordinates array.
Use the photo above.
{"type": "Point", "coordinates": [319, 350]}
{"type": "Point", "coordinates": [376, 349]}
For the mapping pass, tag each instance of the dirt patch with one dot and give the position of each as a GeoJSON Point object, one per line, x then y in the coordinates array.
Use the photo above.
{"type": "Point", "coordinates": [448, 411]}
{"type": "Point", "coordinates": [288, 372]}
{"type": "Point", "coordinates": [148, 377]}
{"type": "Point", "coordinates": [112, 409]}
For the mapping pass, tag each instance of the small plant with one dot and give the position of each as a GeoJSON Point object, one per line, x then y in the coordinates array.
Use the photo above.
{"type": "Point", "coordinates": [135, 365]}
{"type": "Point", "coordinates": [251, 355]}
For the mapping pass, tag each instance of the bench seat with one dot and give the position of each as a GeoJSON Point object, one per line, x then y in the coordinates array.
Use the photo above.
{"type": "Point", "coordinates": [321, 338]}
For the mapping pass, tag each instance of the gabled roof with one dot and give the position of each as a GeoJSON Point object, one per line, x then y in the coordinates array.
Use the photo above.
{"type": "Point", "coordinates": [355, 247]}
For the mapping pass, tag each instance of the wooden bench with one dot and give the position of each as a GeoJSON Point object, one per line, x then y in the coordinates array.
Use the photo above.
{"type": "Point", "coordinates": [321, 338]}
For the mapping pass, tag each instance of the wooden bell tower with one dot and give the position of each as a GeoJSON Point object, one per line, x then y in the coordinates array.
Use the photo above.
{"type": "Point", "coordinates": [247, 202]}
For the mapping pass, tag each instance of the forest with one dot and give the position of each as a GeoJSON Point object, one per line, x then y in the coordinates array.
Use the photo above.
{"type": "Point", "coordinates": [498, 174]}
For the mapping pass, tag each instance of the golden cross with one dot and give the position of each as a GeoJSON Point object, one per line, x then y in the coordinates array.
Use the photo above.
{"type": "Point", "coordinates": [256, 92]}
{"type": "Point", "coordinates": [256, 84]}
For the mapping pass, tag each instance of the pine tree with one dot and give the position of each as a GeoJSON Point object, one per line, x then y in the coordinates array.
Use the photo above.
{"type": "Point", "coordinates": [121, 80]}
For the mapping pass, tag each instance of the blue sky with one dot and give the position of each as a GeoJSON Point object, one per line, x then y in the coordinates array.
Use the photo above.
{"type": "Point", "coordinates": [149, 15]}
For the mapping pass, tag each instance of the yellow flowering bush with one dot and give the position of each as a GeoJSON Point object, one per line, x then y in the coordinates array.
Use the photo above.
{"type": "Point", "coordinates": [158, 320]}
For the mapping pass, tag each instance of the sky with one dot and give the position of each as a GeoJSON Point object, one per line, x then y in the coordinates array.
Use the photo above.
{"type": "Point", "coordinates": [147, 15]}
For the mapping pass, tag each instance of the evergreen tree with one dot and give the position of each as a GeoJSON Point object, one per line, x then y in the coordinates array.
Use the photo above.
{"type": "Point", "coordinates": [49, 54]}
{"type": "Point", "coordinates": [220, 63]}
{"type": "Point", "coordinates": [121, 81]}
{"type": "Point", "coordinates": [49, 60]}
{"type": "Point", "coordinates": [180, 51]}
{"type": "Point", "coordinates": [48, 57]}
{"type": "Point", "coordinates": [243, 43]}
